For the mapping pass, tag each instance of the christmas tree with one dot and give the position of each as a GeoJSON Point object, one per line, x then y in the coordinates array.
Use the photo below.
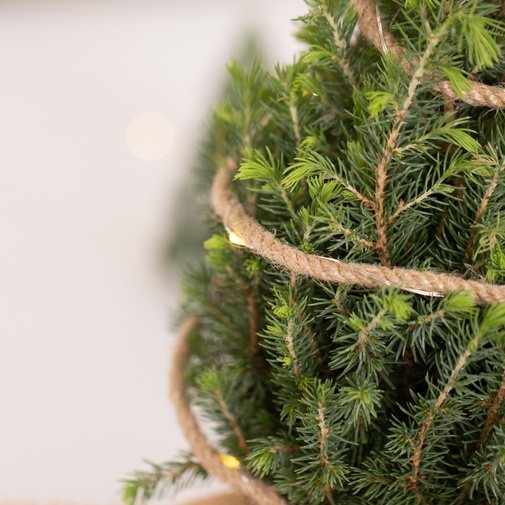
{"type": "Point", "coordinates": [346, 333]}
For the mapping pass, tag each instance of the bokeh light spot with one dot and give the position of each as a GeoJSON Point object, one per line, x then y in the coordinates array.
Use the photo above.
{"type": "Point", "coordinates": [149, 136]}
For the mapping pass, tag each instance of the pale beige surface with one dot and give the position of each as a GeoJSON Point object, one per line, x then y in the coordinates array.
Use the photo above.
{"type": "Point", "coordinates": [84, 344]}
{"type": "Point", "coordinates": [222, 499]}
{"type": "Point", "coordinates": [57, 502]}
{"type": "Point", "coordinates": [216, 499]}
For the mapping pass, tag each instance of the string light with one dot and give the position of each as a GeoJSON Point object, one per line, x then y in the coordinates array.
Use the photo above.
{"type": "Point", "coordinates": [381, 33]}
{"type": "Point", "coordinates": [416, 291]}
{"type": "Point", "coordinates": [235, 238]}
{"type": "Point", "coordinates": [229, 461]}
{"type": "Point", "coordinates": [232, 463]}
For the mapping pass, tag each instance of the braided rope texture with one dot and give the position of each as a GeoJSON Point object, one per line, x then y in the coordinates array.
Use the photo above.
{"type": "Point", "coordinates": [255, 489]}
{"type": "Point", "coordinates": [478, 95]}
{"type": "Point", "coordinates": [264, 243]}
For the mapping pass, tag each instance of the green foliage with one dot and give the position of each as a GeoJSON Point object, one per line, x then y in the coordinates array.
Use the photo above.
{"type": "Point", "coordinates": [341, 394]}
{"type": "Point", "coordinates": [457, 78]}
{"type": "Point", "coordinates": [161, 479]}
{"type": "Point", "coordinates": [379, 100]}
{"type": "Point", "coordinates": [473, 33]}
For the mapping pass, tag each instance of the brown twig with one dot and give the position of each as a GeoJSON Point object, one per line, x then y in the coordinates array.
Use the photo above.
{"type": "Point", "coordinates": [478, 215]}
{"type": "Point", "coordinates": [418, 444]}
{"type": "Point", "coordinates": [491, 417]}
{"type": "Point", "coordinates": [340, 44]}
{"type": "Point", "coordinates": [490, 422]}
{"type": "Point", "coordinates": [381, 169]}
{"type": "Point", "coordinates": [253, 320]}
{"type": "Point", "coordinates": [288, 339]}
{"type": "Point", "coordinates": [369, 23]}
{"type": "Point", "coordinates": [349, 233]}
{"type": "Point", "coordinates": [232, 420]}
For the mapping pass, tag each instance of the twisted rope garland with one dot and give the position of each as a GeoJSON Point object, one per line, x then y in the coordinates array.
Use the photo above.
{"type": "Point", "coordinates": [264, 243]}
{"type": "Point", "coordinates": [369, 21]}
{"type": "Point", "coordinates": [209, 458]}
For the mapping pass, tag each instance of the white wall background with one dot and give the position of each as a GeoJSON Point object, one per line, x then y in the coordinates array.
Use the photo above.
{"type": "Point", "coordinates": [84, 306]}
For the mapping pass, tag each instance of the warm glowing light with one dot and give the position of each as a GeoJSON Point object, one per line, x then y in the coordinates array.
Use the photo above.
{"type": "Point", "coordinates": [236, 239]}
{"type": "Point", "coordinates": [149, 136]}
{"type": "Point", "coordinates": [230, 462]}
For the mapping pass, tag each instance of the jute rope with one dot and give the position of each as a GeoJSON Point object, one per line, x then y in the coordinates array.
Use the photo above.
{"type": "Point", "coordinates": [264, 243]}
{"type": "Point", "coordinates": [369, 21]}
{"type": "Point", "coordinates": [209, 458]}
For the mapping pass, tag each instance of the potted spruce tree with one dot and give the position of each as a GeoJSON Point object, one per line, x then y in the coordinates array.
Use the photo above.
{"type": "Point", "coordinates": [346, 334]}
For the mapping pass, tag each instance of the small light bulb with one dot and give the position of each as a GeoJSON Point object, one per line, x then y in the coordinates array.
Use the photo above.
{"type": "Point", "coordinates": [229, 461]}
{"type": "Point", "coordinates": [235, 238]}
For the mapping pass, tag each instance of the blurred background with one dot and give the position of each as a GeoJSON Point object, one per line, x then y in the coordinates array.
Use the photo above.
{"type": "Point", "coordinates": [102, 107]}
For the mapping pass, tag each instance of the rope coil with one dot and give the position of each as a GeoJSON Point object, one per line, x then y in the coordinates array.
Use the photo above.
{"type": "Point", "coordinates": [256, 489]}
{"type": "Point", "coordinates": [369, 21]}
